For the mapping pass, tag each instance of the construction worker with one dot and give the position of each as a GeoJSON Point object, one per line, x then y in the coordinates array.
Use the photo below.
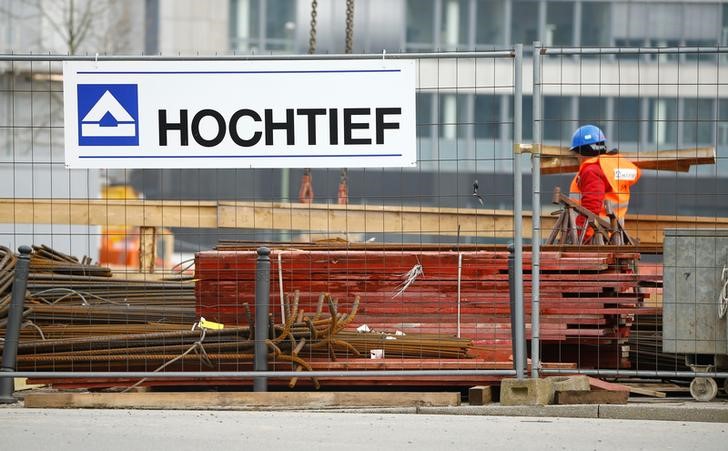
{"type": "Point", "coordinates": [604, 178]}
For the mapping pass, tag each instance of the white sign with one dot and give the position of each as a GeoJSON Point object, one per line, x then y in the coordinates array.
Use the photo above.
{"type": "Point", "coordinates": [239, 114]}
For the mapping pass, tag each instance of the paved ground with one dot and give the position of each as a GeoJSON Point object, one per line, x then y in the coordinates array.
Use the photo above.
{"type": "Point", "coordinates": [44, 429]}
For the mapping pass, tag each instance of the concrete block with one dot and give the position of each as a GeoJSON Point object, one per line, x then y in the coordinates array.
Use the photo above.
{"type": "Point", "coordinates": [591, 397]}
{"type": "Point", "coordinates": [526, 392]}
{"type": "Point", "coordinates": [480, 395]}
{"type": "Point", "coordinates": [570, 383]}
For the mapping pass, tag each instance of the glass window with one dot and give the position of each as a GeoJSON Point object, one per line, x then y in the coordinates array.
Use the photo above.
{"type": "Point", "coordinates": [524, 18]}
{"type": "Point", "coordinates": [280, 24]}
{"type": "Point", "coordinates": [626, 121]}
{"type": "Point", "coordinates": [593, 110]}
{"type": "Point", "coordinates": [697, 121]}
{"type": "Point", "coordinates": [527, 124]}
{"type": "Point", "coordinates": [490, 30]}
{"type": "Point", "coordinates": [487, 116]}
{"type": "Point", "coordinates": [424, 114]}
{"type": "Point", "coordinates": [627, 43]}
{"type": "Point", "coordinates": [454, 24]}
{"type": "Point", "coordinates": [724, 29]}
{"type": "Point", "coordinates": [453, 116]}
{"type": "Point", "coordinates": [595, 24]}
{"type": "Point", "coordinates": [723, 122]}
{"type": "Point", "coordinates": [559, 24]}
{"type": "Point", "coordinates": [420, 24]}
{"type": "Point", "coordinates": [664, 43]}
{"type": "Point", "coordinates": [558, 121]}
{"type": "Point", "coordinates": [700, 56]}
{"type": "Point", "coordinates": [663, 121]}
{"type": "Point", "coordinates": [245, 27]}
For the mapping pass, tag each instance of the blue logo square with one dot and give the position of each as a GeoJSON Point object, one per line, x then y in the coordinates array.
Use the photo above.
{"type": "Point", "coordinates": [108, 115]}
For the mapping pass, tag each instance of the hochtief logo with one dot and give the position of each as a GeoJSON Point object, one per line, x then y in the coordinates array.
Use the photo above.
{"type": "Point", "coordinates": [108, 115]}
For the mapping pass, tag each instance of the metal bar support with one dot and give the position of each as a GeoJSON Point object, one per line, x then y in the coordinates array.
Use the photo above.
{"type": "Point", "coordinates": [518, 319]}
{"type": "Point", "coordinates": [12, 331]}
{"type": "Point", "coordinates": [638, 373]}
{"type": "Point", "coordinates": [536, 217]}
{"type": "Point", "coordinates": [262, 308]}
{"type": "Point", "coordinates": [630, 50]}
{"type": "Point", "coordinates": [369, 56]}
{"type": "Point", "coordinates": [254, 374]}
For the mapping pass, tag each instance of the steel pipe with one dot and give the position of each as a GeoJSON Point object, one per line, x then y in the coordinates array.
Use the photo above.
{"type": "Point", "coordinates": [12, 331]}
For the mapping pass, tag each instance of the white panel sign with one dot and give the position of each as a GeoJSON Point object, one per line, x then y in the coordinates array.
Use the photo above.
{"type": "Point", "coordinates": [226, 114]}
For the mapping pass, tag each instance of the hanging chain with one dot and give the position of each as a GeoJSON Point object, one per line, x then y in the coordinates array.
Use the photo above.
{"type": "Point", "coordinates": [312, 33]}
{"type": "Point", "coordinates": [349, 25]}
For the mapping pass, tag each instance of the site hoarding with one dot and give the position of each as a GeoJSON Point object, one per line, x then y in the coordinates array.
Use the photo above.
{"type": "Point", "coordinates": [239, 114]}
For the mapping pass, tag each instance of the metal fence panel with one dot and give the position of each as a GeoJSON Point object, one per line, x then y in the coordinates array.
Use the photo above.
{"type": "Point", "coordinates": [663, 108]}
{"type": "Point", "coordinates": [127, 262]}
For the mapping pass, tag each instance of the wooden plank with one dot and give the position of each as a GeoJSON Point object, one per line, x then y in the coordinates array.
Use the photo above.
{"type": "Point", "coordinates": [658, 386]}
{"type": "Point", "coordinates": [604, 385]}
{"type": "Point", "coordinates": [560, 160]}
{"type": "Point", "coordinates": [591, 397]}
{"type": "Point", "coordinates": [194, 400]}
{"type": "Point", "coordinates": [314, 218]}
{"type": "Point", "coordinates": [647, 392]}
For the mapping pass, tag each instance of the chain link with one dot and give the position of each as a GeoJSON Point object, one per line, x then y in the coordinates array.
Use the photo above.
{"type": "Point", "coordinates": [349, 25]}
{"type": "Point", "coordinates": [312, 33]}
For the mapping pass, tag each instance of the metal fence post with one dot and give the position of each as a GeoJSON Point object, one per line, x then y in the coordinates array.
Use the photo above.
{"type": "Point", "coordinates": [262, 307]}
{"type": "Point", "coordinates": [15, 318]}
{"type": "Point", "coordinates": [536, 216]}
{"type": "Point", "coordinates": [518, 326]}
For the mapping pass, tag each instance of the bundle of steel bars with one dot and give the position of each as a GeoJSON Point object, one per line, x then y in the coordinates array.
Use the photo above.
{"type": "Point", "coordinates": [588, 299]}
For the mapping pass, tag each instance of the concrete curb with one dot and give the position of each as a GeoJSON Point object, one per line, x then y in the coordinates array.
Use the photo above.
{"type": "Point", "coordinates": [686, 412]}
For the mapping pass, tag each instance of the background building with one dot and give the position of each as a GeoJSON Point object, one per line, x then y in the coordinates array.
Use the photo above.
{"type": "Point", "coordinates": [463, 135]}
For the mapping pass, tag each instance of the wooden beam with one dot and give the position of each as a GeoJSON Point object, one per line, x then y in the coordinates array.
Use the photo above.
{"type": "Point", "coordinates": [147, 249]}
{"type": "Point", "coordinates": [560, 160]}
{"type": "Point", "coordinates": [193, 400]}
{"type": "Point", "coordinates": [323, 219]}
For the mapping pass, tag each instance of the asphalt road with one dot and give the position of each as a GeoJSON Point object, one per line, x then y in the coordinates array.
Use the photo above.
{"type": "Point", "coordinates": [51, 429]}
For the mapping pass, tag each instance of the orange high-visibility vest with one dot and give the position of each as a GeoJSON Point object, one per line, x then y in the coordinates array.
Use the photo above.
{"type": "Point", "coordinates": [621, 175]}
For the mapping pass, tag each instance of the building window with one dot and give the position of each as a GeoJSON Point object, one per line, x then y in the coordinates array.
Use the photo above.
{"type": "Point", "coordinates": [722, 123]}
{"type": "Point", "coordinates": [454, 24]}
{"type": "Point", "coordinates": [626, 122]}
{"type": "Point", "coordinates": [424, 114]}
{"type": "Point", "coordinates": [524, 20]}
{"type": "Point", "coordinates": [595, 24]}
{"type": "Point", "coordinates": [558, 124]}
{"type": "Point", "coordinates": [559, 24]}
{"type": "Point", "coordinates": [453, 116]}
{"type": "Point", "coordinates": [593, 110]}
{"type": "Point", "coordinates": [263, 25]}
{"type": "Point", "coordinates": [487, 116]}
{"type": "Point", "coordinates": [490, 31]}
{"type": "Point", "coordinates": [420, 24]}
{"type": "Point", "coordinates": [663, 121]}
{"type": "Point", "coordinates": [697, 121]}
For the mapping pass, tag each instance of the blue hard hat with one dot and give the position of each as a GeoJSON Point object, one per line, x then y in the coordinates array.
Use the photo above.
{"type": "Point", "coordinates": [586, 135]}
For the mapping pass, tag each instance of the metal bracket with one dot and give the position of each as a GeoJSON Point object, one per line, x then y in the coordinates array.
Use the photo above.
{"type": "Point", "coordinates": [527, 148]}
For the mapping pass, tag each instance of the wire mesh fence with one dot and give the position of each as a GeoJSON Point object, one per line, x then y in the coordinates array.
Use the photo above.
{"type": "Point", "coordinates": [660, 109]}
{"type": "Point", "coordinates": [396, 271]}
{"type": "Point", "coordinates": [400, 276]}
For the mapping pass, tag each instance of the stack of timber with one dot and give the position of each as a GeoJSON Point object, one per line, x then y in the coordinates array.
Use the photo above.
{"type": "Point", "coordinates": [588, 299]}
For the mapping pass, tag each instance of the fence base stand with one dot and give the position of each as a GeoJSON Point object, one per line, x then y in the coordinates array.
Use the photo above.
{"type": "Point", "coordinates": [526, 392]}
{"type": "Point", "coordinates": [7, 386]}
